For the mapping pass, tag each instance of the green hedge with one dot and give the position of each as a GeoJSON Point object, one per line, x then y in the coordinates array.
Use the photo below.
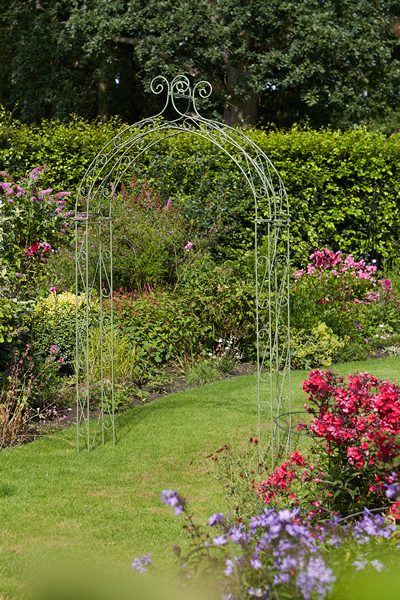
{"type": "Point", "coordinates": [329, 177]}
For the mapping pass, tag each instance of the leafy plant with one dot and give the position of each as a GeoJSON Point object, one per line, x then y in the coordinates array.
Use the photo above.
{"type": "Point", "coordinates": [55, 322]}
{"type": "Point", "coordinates": [125, 359]}
{"type": "Point", "coordinates": [159, 323]}
{"type": "Point", "coordinates": [201, 372]}
{"type": "Point", "coordinates": [34, 223]}
{"type": "Point", "coordinates": [317, 348]}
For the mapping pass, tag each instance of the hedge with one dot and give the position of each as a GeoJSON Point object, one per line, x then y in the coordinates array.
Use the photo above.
{"type": "Point", "coordinates": [329, 177]}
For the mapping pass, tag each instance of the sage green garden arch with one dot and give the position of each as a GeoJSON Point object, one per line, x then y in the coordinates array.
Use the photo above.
{"type": "Point", "coordinates": [117, 159]}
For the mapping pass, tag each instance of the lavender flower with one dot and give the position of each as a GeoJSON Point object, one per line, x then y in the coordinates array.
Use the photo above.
{"type": "Point", "coordinates": [219, 540]}
{"type": "Point", "coordinates": [377, 565]}
{"type": "Point", "coordinates": [393, 487]}
{"type": "Point", "coordinates": [316, 577]}
{"type": "Point", "coordinates": [371, 525]}
{"type": "Point", "coordinates": [359, 564]}
{"type": "Point", "coordinates": [229, 567]}
{"type": "Point", "coordinates": [216, 518]}
{"type": "Point", "coordinates": [256, 562]}
{"type": "Point", "coordinates": [238, 535]}
{"type": "Point", "coordinates": [171, 498]}
{"type": "Point", "coordinates": [257, 592]}
{"type": "Point", "coordinates": [141, 563]}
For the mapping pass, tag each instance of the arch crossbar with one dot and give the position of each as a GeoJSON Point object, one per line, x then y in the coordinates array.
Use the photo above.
{"type": "Point", "coordinates": [94, 260]}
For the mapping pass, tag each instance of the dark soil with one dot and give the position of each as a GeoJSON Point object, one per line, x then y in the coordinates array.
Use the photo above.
{"type": "Point", "coordinates": [378, 353]}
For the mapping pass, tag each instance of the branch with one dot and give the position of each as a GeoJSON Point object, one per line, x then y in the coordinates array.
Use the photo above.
{"type": "Point", "coordinates": [129, 41]}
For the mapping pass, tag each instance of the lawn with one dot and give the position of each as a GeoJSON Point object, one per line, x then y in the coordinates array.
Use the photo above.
{"type": "Point", "coordinates": [103, 508]}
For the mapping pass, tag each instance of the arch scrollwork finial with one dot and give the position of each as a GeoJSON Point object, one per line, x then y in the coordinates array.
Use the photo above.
{"type": "Point", "coordinates": [180, 89]}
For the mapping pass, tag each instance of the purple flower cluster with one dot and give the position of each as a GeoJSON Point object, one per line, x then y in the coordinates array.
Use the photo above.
{"type": "Point", "coordinates": [280, 554]}
{"type": "Point", "coordinates": [140, 563]}
{"type": "Point", "coordinates": [393, 487]}
{"type": "Point", "coordinates": [171, 498]}
{"type": "Point", "coordinates": [372, 526]}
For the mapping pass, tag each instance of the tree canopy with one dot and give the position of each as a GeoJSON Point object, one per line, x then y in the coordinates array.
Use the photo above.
{"type": "Point", "coordinates": [328, 62]}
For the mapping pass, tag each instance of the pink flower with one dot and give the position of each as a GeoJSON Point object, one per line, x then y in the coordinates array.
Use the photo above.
{"type": "Point", "coordinates": [36, 173]}
{"type": "Point", "coordinates": [6, 175]}
{"type": "Point", "coordinates": [188, 246]}
{"type": "Point", "coordinates": [53, 289]}
{"type": "Point", "coordinates": [46, 247]}
{"type": "Point", "coordinates": [32, 249]}
{"type": "Point", "coordinates": [387, 284]}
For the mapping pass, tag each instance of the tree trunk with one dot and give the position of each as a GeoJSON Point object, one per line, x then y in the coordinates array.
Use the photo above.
{"type": "Point", "coordinates": [103, 100]}
{"type": "Point", "coordinates": [240, 111]}
{"type": "Point", "coordinates": [103, 93]}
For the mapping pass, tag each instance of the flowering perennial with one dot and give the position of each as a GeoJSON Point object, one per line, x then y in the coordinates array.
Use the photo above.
{"type": "Point", "coordinates": [278, 555]}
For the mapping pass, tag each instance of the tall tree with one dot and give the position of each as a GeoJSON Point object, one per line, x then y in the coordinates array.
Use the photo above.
{"type": "Point", "coordinates": [326, 61]}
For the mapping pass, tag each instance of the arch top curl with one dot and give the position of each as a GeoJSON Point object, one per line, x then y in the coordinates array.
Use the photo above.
{"type": "Point", "coordinates": [130, 144]}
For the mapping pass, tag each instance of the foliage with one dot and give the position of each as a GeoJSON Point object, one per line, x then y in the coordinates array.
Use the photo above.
{"type": "Point", "coordinates": [358, 423]}
{"type": "Point", "coordinates": [319, 347]}
{"type": "Point", "coordinates": [34, 222]}
{"type": "Point", "coordinates": [125, 365]}
{"type": "Point", "coordinates": [162, 325]}
{"type": "Point", "coordinates": [15, 326]}
{"type": "Point", "coordinates": [150, 241]}
{"type": "Point", "coordinates": [278, 554]}
{"type": "Point", "coordinates": [28, 387]}
{"type": "Point", "coordinates": [280, 62]}
{"type": "Point", "coordinates": [350, 298]}
{"type": "Point", "coordinates": [7, 314]}
{"type": "Point", "coordinates": [55, 322]}
{"type": "Point", "coordinates": [329, 177]}
{"type": "Point", "coordinates": [353, 350]}
{"type": "Point", "coordinates": [224, 295]}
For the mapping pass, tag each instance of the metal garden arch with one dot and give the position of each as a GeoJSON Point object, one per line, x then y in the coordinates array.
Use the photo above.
{"type": "Point", "coordinates": [271, 235]}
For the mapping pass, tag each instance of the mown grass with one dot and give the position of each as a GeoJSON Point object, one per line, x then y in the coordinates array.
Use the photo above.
{"type": "Point", "coordinates": [103, 508]}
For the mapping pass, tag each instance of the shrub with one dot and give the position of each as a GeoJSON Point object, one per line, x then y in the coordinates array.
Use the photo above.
{"type": "Point", "coordinates": [34, 222]}
{"type": "Point", "coordinates": [224, 296]}
{"type": "Point", "coordinates": [149, 238]}
{"type": "Point", "coordinates": [329, 177]}
{"type": "Point", "coordinates": [349, 297]}
{"type": "Point", "coordinates": [318, 348]}
{"type": "Point", "coordinates": [161, 323]}
{"type": "Point", "coordinates": [358, 423]}
{"type": "Point", "coordinates": [15, 326]}
{"type": "Point", "coordinates": [55, 323]}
